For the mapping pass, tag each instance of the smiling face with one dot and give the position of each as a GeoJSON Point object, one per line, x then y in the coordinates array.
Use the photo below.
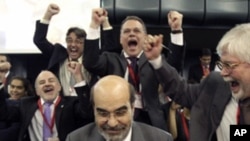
{"type": "Point", "coordinates": [16, 89]}
{"type": "Point", "coordinates": [47, 86]}
{"type": "Point", "coordinates": [74, 46]}
{"type": "Point", "coordinates": [234, 52]}
{"type": "Point", "coordinates": [132, 37]}
{"type": "Point", "coordinates": [238, 76]}
{"type": "Point", "coordinates": [113, 109]}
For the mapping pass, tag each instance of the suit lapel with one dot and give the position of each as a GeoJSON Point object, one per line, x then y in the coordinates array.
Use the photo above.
{"type": "Point", "coordinates": [124, 63]}
{"type": "Point", "coordinates": [31, 107]}
{"type": "Point", "coordinates": [221, 98]}
{"type": "Point", "coordinates": [142, 61]}
{"type": "Point", "coordinates": [58, 111]}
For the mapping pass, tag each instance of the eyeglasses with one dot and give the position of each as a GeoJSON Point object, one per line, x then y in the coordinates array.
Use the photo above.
{"type": "Point", "coordinates": [71, 41]}
{"type": "Point", "coordinates": [227, 66]}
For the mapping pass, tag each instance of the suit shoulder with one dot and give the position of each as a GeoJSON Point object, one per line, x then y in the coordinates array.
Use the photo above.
{"type": "Point", "coordinates": [153, 133]}
{"type": "Point", "coordinates": [82, 132]}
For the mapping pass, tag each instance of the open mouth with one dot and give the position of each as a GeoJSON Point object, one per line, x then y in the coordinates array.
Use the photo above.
{"type": "Point", "coordinates": [48, 89]}
{"type": "Point", "coordinates": [234, 85]}
{"type": "Point", "coordinates": [132, 43]}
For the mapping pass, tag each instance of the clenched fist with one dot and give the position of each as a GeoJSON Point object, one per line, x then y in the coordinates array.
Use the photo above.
{"type": "Point", "coordinates": [52, 10]}
{"type": "Point", "coordinates": [175, 20]}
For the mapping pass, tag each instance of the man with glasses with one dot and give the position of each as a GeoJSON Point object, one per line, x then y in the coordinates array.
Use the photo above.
{"type": "Point", "coordinates": [59, 57]}
{"type": "Point", "coordinates": [222, 98]}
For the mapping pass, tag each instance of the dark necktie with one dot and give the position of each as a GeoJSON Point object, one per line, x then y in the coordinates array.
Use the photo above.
{"type": "Point", "coordinates": [47, 116]}
{"type": "Point", "coordinates": [245, 111]}
{"type": "Point", "coordinates": [133, 75]}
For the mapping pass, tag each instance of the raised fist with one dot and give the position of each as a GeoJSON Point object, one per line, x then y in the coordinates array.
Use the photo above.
{"type": "Point", "coordinates": [175, 20]}
{"type": "Point", "coordinates": [52, 10]}
{"type": "Point", "coordinates": [99, 15]}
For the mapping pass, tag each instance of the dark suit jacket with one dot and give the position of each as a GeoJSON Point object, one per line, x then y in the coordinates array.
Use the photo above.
{"type": "Point", "coordinates": [9, 129]}
{"type": "Point", "coordinates": [112, 63]}
{"type": "Point", "coordinates": [207, 100]}
{"type": "Point", "coordinates": [140, 132]}
{"type": "Point", "coordinates": [55, 54]}
{"type": "Point", "coordinates": [195, 73]}
{"type": "Point", "coordinates": [70, 114]}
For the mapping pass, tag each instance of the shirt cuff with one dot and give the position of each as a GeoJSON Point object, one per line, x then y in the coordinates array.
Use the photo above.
{"type": "Point", "coordinates": [80, 84]}
{"type": "Point", "coordinates": [177, 39]}
{"type": "Point", "coordinates": [93, 34]}
{"type": "Point", "coordinates": [108, 28]}
{"type": "Point", "coordinates": [43, 21]}
{"type": "Point", "coordinates": [156, 63]}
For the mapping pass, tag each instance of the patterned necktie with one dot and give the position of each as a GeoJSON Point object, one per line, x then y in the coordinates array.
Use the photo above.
{"type": "Point", "coordinates": [47, 115]}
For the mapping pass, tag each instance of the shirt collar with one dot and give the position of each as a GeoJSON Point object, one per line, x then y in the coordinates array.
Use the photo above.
{"type": "Point", "coordinates": [42, 100]}
{"type": "Point", "coordinates": [138, 56]}
{"type": "Point", "coordinates": [129, 136]}
{"type": "Point", "coordinates": [7, 74]}
{"type": "Point", "coordinates": [79, 59]}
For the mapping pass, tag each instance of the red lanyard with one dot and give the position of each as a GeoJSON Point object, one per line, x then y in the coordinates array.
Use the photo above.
{"type": "Point", "coordinates": [51, 124]}
{"type": "Point", "coordinates": [185, 126]}
{"type": "Point", "coordinates": [205, 70]}
{"type": "Point", "coordinates": [134, 76]}
{"type": "Point", "coordinates": [238, 115]}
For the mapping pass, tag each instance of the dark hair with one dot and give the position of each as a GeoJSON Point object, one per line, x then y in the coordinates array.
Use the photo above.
{"type": "Point", "coordinates": [80, 33]}
{"type": "Point", "coordinates": [26, 84]}
{"type": "Point", "coordinates": [7, 57]}
{"type": "Point", "coordinates": [136, 18]}
{"type": "Point", "coordinates": [131, 95]}
{"type": "Point", "coordinates": [205, 52]}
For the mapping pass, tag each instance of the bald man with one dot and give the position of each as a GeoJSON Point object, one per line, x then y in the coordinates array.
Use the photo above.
{"type": "Point", "coordinates": [113, 102]}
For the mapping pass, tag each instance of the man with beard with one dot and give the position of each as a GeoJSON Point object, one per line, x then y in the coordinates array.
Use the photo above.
{"type": "Point", "coordinates": [50, 115]}
{"type": "Point", "coordinates": [132, 64]}
{"type": "Point", "coordinates": [222, 98]}
{"type": "Point", "coordinates": [113, 101]}
{"type": "Point", "coordinates": [58, 56]}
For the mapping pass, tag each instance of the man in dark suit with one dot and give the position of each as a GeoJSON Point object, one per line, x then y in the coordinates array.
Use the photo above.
{"type": "Point", "coordinates": [199, 71]}
{"type": "Point", "coordinates": [67, 113]}
{"type": "Point", "coordinates": [5, 71]}
{"type": "Point", "coordinates": [113, 101]}
{"type": "Point", "coordinates": [133, 32]}
{"type": "Point", "coordinates": [58, 56]}
{"type": "Point", "coordinates": [221, 99]}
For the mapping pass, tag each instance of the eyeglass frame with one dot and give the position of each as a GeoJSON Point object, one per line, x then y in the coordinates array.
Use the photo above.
{"type": "Point", "coordinates": [228, 66]}
{"type": "Point", "coordinates": [77, 41]}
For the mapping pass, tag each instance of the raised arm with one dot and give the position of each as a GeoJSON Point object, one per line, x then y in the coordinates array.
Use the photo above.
{"type": "Point", "coordinates": [177, 47]}
{"type": "Point", "coordinates": [41, 30]}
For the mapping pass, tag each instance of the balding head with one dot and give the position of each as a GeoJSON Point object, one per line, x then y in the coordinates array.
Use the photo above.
{"type": "Point", "coordinates": [113, 99]}
{"type": "Point", "coordinates": [114, 85]}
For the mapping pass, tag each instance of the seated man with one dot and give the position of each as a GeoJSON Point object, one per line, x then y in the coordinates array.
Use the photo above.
{"type": "Point", "coordinates": [50, 115]}
{"type": "Point", "coordinates": [113, 101]}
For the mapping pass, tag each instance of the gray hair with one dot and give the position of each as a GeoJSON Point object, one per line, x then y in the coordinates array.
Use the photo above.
{"type": "Point", "coordinates": [236, 42]}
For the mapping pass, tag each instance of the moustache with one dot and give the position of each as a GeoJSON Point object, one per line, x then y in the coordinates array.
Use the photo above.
{"type": "Point", "coordinates": [116, 128]}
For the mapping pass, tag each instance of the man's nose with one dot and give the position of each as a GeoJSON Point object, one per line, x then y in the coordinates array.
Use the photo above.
{"type": "Point", "coordinates": [112, 121]}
